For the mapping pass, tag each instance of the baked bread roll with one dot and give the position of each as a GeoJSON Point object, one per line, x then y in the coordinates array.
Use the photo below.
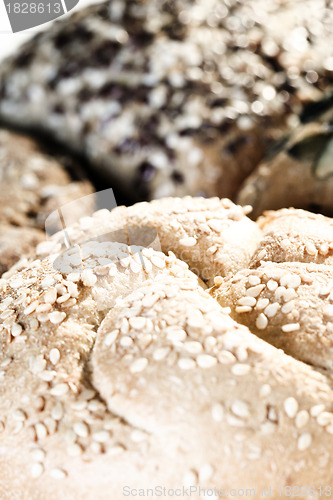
{"type": "Point", "coordinates": [171, 99]}
{"type": "Point", "coordinates": [299, 172]}
{"type": "Point", "coordinates": [294, 235]}
{"type": "Point", "coordinates": [32, 185]}
{"type": "Point", "coordinates": [17, 242]}
{"type": "Point", "coordinates": [285, 298]}
{"type": "Point", "coordinates": [287, 304]}
{"type": "Point", "coordinates": [215, 237]}
{"type": "Point", "coordinates": [130, 375]}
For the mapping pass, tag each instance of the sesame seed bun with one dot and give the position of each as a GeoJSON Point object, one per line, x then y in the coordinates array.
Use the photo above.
{"type": "Point", "coordinates": [130, 373]}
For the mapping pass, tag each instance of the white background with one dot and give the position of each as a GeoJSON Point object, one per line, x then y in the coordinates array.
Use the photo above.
{"type": "Point", "coordinates": [9, 41]}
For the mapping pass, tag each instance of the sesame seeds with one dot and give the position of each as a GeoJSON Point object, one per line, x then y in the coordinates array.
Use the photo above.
{"type": "Point", "coordinates": [87, 394]}
{"type": "Point", "coordinates": [31, 308]}
{"type": "Point", "coordinates": [125, 341]}
{"type": "Point", "coordinates": [50, 296]}
{"type": "Point", "coordinates": [37, 364]}
{"type": "Point", "coordinates": [291, 327]}
{"type": "Point", "coordinates": [43, 308]}
{"type": "Point", "coordinates": [240, 409]}
{"type": "Point", "coordinates": [290, 281]}
{"type": "Point", "coordinates": [272, 285]}
{"type": "Point", "coordinates": [58, 474]}
{"type": "Point", "coordinates": [265, 390]}
{"type": "Point", "coordinates": [272, 309]}
{"type": "Point", "coordinates": [48, 282]}
{"type": "Point", "coordinates": [88, 278]}
{"type": "Point", "coordinates": [6, 362]}
{"type": "Point", "coordinates": [190, 478]}
{"type": "Point", "coordinates": [280, 293]}
{"type": "Point", "coordinates": [311, 249]}
{"type": "Point", "coordinates": [81, 429]}
{"type": "Point", "coordinates": [254, 291]}
{"type": "Point", "coordinates": [288, 307]}
{"type": "Point", "coordinates": [240, 369]}
{"type": "Point", "coordinates": [261, 321]}
{"type": "Point", "coordinates": [254, 280]}
{"type": "Point", "coordinates": [186, 363]}
{"type": "Point", "coordinates": [51, 425]}
{"type": "Point", "coordinates": [317, 410]}
{"type": "Point", "coordinates": [193, 347]}
{"type": "Point", "coordinates": [63, 298]}
{"type": "Point", "coordinates": [323, 249]}
{"type": "Point", "coordinates": [328, 311]}
{"type": "Point", "coordinates": [36, 470]}
{"type": "Point", "coordinates": [304, 441]}
{"type": "Point", "coordinates": [38, 455]}
{"type": "Point", "coordinates": [111, 337]}
{"type": "Point", "coordinates": [16, 283]}
{"type": "Point", "coordinates": [57, 317]}
{"type": "Point", "coordinates": [19, 416]}
{"type": "Point", "coordinates": [54, 356]}
{"type": "Point", "coordinates": [217, 412]}
{"type": "Point", "coordinates": [206, 472]}
{"type": "Point", "coordinates": [261, 304]}
{"type": "Point", "coordinates": [138, 323]}
{"type": "Point", "coordinates": [161, 353]}
{"type": "Point", "coordinates": [176, 335]}
{"type": "Point", "coordinates": [74, 450]}
{"type": "Point", "coordinates": [289, 294]}
{"type": "Point", "coordinates": [16, 329]}
{"type": "Point", "coordinates": [150, 300]}
{"type": "Point", "coordinates": [212, 250]}
{"type": "Point", "coordinates": [302, 419]}
{"type": "Point", "coordinates": [59, 389]}
{"type": "Point", "coordinates": [290, 407]}
{"type": "Point", "coordinates": [247, 301]}
{"type": "Point", "coordinates": [101, 436]}
{"type": "Point", "coordinates": [57, 411]}
{"type": "Point", "coordinates": [135, 267]}
{"type": "Point", "coordinates": [138, 436]}
{"type": "Point", "coordinates": [243, 309]}
{"type": "Point", "coordinates": [206, 361]}
{"type": "Point", "coordinates": [325, 418]}
{"type": "Point", "coordinates": [188, 242]}
{"type": "Point", "coordinates": [41, 431]}
{"type": "Point", "coordinates": [215, 225]}
{"type": "Point", "coordinates": [138, 365]}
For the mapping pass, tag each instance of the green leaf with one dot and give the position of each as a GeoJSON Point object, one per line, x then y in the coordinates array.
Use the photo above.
{"type": "Point", "coordinates": [309, 148]}
{"type": "Point", "coordinates": [313, 110]}
{"type": "Point", "coordinates": [324, 166]}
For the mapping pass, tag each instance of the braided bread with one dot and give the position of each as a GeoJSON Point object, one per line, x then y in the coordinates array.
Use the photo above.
{"type": "Point", "coordinates": [125, 372]}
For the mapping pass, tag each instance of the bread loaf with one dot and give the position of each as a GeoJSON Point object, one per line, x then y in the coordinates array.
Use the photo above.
{"type": "Point", "coordinates": [170, 99]}
{"type": "Point", "coordinates": [33, 184]}
{"type": "Point", "coordinates": [294, 236]}
{"type": "Point", "coordinates": [128, 374]}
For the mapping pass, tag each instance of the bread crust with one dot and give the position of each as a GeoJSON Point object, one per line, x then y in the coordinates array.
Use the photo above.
{"type": "Point", "coordinates": [214, 236]}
